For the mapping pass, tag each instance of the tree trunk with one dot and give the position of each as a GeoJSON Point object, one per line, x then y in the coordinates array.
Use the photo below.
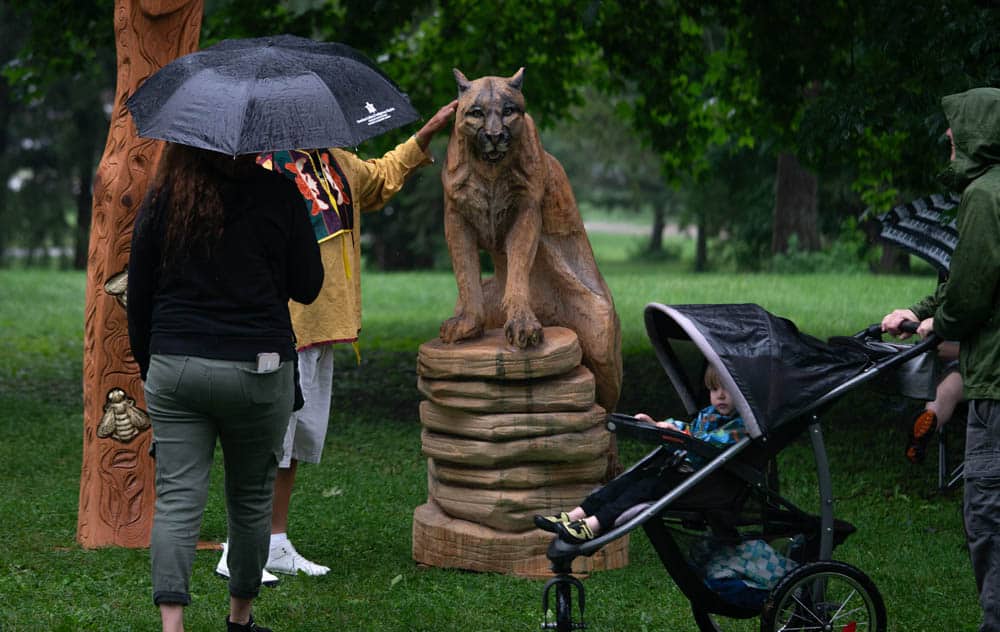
{"type": "Point", "coordinates": [87, 116]}
{"type": "Point", "coordinates": [701, 243]}
{"type": "Point", "coordinates": [893, 260]}
{"type": "Point", "coordinates": [656, 236]}
{"type": "Point", "coordinates": [6, 109]}
{"type": "Point", "coordinates": [84, 201]}
{"type": "Point", "coordinates": [795, 206]}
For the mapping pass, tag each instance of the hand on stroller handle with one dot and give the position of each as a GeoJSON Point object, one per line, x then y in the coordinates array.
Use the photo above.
{"type": "Point", "coordinates": [905, 323]}
{"type": "Point", "coordinates": [906, 326]}
{"type": "Point", "coordinates": [904, 329]}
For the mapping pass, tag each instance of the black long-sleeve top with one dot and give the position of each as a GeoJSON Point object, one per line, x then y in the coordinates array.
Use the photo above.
{"type": "Point", "coordinates": [230, 303]}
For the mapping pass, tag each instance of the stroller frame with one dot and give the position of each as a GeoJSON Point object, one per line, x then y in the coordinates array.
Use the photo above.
{"type": "Point", "coordinates": [812, 576]}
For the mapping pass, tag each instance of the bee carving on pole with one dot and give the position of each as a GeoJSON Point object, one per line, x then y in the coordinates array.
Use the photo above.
{"type": "Point", "coordinates": [122, 420]}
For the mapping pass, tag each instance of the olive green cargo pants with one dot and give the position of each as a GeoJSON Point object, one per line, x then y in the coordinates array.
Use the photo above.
{"type": "Point", "coordinates": [192, 402]}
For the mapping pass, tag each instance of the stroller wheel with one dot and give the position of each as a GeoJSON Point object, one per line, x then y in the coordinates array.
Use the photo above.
{"type": "Point", "coordinates": [824, 596]}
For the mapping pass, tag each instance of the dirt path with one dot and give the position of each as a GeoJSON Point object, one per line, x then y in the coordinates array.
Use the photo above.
{"type": "Point", "coordinates": [621, 228]}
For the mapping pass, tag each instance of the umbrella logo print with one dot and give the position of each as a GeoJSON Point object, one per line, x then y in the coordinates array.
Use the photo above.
{"type": "Point", "coordinates": [375, 115]}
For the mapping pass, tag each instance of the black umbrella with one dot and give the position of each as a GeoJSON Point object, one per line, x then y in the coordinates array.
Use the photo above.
{"type": "Point", "coordinates": [924, 228]}
{"type": "Point", "coordinates": [246, 96]}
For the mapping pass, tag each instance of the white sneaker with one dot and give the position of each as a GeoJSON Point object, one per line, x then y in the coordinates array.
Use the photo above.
{"type": "Point", "coordinates": [222, 569]}
{"type": "Point", "coordinates": [283, 558]}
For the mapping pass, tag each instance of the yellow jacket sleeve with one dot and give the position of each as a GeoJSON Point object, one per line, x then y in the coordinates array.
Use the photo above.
{"type": "Point", "coordinates": [374, 182]}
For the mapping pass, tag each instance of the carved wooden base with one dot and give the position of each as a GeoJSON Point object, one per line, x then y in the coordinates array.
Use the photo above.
{"type": "Point", "coordinates": [505, 426]}
{"type": "Point", "coordinates": [563, 447]}
{"type": "Point", "coordinates": [570, 392]}
{"type": "Point", "coordinates": [523, 476]}
{"type": "Point", "coordinates": [445, 542]}
{"type": "Point", "coordinates": [508, 434]}
{"type": "Point", "coordinates": [506, 509]}
{"type": "Point", "coordinates": [491, 357]}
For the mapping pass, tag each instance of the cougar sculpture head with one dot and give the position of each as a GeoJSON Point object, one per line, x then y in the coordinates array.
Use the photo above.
{"type": "Point", "coordinates": [490, 113]}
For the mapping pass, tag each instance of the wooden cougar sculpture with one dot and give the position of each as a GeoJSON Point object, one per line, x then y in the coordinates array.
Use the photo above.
{"type": "Point", "coordinates": [504, 194]}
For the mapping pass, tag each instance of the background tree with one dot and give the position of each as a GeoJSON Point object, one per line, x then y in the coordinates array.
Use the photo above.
{"type": "Point", "coordinates": [852, 90]}
{"type": "Point", "coordinates": [608, 164]}
{"type": "Point", "coordinates": [681, 109]}
{"type": "Point", "coordinates": [59, 81]}
{"type": "Point", "coordinates": [9, 44]}
{"type": "Point", "coordinates": [846, 92]}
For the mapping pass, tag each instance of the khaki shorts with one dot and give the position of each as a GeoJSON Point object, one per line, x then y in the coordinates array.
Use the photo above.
{"type": "Point", "coordinates": [307, 426]}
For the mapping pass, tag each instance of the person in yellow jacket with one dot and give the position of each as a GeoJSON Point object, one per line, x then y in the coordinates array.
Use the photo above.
{"type": "Point", "coordinates": [337, 186]}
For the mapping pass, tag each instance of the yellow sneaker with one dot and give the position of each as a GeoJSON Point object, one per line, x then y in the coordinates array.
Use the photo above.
{"type": "Point", "coordinates": [548, 523]}
{"type": "Point", "coordinates": [575, 532]}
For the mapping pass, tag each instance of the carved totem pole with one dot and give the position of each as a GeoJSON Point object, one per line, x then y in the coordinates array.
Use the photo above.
{"type": "Point", "coordinates": [116, 481]}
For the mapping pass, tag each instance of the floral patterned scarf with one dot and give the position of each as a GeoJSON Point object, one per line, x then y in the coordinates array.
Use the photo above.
{"type": "Point", "coordinates": [322, 184]}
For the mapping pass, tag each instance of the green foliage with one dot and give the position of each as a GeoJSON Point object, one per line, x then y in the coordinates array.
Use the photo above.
{"type": "Point", "coordinates": [483, 38]}
{"type": "Point", "coordinates": [58, 40]}
{"type": "Point", "coordinates": [734, 199]}
{"type": "Point", "coordinates": [858, 85]}
{"type": "Point", "coordinates": [840, 256]}
{"type": "Point", "coordinates": [368, 25]}
{"type": "Point", "coordinates": [58, 64]}
{"type": "Point", "coordinates": [671, 252]}
{"type": "Point", "coordinates": [876, 161]}
{"type": "Point", "coordinates": [675, 69]}
{"type": "Point", "coordinates": [48, 176]}
{"type": "Point", "coordinates": [608, 165]}
{"type": "Point", "coordinates": [748, 250]}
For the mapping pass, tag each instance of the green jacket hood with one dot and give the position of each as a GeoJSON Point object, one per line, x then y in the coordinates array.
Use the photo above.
{"type": "Point", "coordinates": [974, 118]}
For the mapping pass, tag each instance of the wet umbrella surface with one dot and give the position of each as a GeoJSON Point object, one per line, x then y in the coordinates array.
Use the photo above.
{"type": "Point", "coordinates": [269, 93]}
{"type": "Point", "coordinates": [923, 228]}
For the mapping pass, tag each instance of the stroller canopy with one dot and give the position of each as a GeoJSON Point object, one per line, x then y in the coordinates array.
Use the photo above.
{"type": "Point", "coordinates": [773, 372]}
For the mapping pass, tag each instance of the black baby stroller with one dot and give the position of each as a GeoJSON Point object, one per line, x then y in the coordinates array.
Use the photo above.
{"type": "Point", "coordinates": [779, 380]}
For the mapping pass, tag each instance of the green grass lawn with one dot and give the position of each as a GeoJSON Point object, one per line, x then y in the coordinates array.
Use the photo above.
{"type": "Point", "coordinates": [353, 511]}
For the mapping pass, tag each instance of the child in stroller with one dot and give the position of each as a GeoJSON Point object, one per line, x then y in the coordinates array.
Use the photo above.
{"type": "Point", "coordinates": [715, 424]}
{"type": "Point", "coordinates": [729, 507]}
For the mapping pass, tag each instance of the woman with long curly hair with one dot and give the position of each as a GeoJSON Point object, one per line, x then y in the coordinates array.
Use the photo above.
{"type": "Point", "coordinates": [219, 247]}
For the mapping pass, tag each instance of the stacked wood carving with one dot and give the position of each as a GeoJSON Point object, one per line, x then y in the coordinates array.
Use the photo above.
{"type": "Point", "coordinates": [508, 433]}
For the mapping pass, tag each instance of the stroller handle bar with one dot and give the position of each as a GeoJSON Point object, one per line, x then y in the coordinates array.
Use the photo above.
{"type": "Point", "coordinates": [909, 326]}
{"type": "Point", "coordinates": [906, 327]}
{"type": "Point", "coordinates": [893, 361]}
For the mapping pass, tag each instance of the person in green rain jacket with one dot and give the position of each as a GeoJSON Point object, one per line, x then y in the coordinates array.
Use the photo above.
{"type": "Point", "coordinates": [966, 308]}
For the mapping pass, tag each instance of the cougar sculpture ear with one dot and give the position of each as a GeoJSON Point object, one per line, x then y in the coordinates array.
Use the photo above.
{"type": "Point", "coordinates": [518, 78]}
{"type": "Point", "coordinates": [463, 83]}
